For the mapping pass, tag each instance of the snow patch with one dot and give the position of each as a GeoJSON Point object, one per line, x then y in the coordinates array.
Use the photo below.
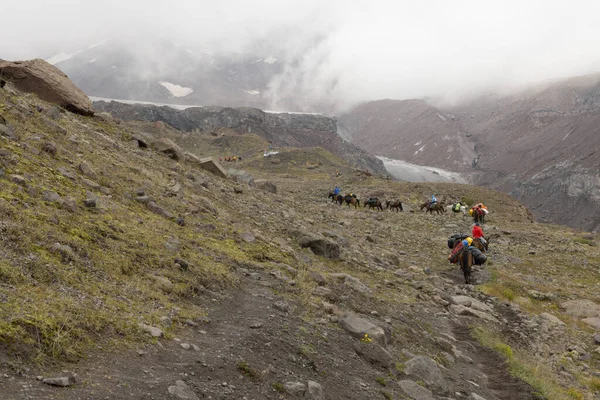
{"type": "Point", "coordinates": [252, 92]}
{"type": "Point", "coordinates": [420, 149]}
{"type": "Point", "coordinates": [270, 60]}
{"type": "Point", "coordinates": [408, 172]}
{"type": "Point", "coordinates": [441, 116]}
{"type": "Point", "coordinates": [176, 90]}
{"type": "Point", "coordinates": [92, 60]}
{"type": "Point", "coordinates": [418, 143]}
{"type": "Point", "coordinates": [60, 57]}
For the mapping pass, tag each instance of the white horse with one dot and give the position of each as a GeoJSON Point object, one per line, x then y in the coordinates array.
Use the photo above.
{"type": "Point", "coordinates": [463, 209]}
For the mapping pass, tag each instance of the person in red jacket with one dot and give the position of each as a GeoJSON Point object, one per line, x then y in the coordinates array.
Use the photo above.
{"type": "Point", "coordinates": [478, 233]}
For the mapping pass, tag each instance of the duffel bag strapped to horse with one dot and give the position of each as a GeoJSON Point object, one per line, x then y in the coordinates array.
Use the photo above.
{"type": "Point", "coordinates": [452, 240]}
{"type": "Point", "coordinates": [478, 257]}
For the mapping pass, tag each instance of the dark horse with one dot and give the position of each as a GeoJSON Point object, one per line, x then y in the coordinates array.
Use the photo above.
{"type": "Point", "coordinates": [374, 202]}
{"type": "Point", "coordinates": [438, 207]}
{"type": "Point", "coordinates": [396, 204]}
{"type": "Point", "coordinates": [478, 215]}
{"type": "Point", "coordinates": [465, 260]}
{"type": "Point", "coordinates": [338, 198]}
{"type": "Point", "coordinates": [476, 243]}
{"type": "Point", "coordinates": [351, 200]}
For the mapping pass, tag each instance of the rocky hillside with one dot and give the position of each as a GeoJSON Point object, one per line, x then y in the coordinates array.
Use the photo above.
{"type": "Point", "coordinates": [132, 269]}
{"type": "Point", "coordinates": [539, 145]}
{"type": "Point", "coordinates": [279, 129]}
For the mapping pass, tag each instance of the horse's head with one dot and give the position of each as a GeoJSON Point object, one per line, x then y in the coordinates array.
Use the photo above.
{"type": "Point", "coordinates": [387, 204]}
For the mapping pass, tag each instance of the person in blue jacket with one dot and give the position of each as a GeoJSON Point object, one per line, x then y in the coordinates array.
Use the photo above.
{"type": "Point", "coordinates": [433, 200]}
{"type": "Point", "coordinates": [336, 191]}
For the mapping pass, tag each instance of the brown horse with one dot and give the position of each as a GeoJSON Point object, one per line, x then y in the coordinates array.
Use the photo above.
{"type": "Point", "coordinates": [437, 207]}
{"type": "Point", "coordinates": [374, 202]}
{"type": "Point", "coordinates": [338, 198]}
{"type": "Point", "coordinates": [465, 260]}
{"type": "Point", "coordinates": [396, 204]}
{"type": "Point", "coordinates": [351, 200]}
{"type": "Point", "coordinates": [478, 215]}
{"type": "Point", "coordinates": [482, 247]}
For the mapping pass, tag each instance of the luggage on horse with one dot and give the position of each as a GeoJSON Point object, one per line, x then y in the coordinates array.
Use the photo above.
{"type": "Point", "coordinates": [456, 207]}
{"type": "Point", "coordinates": [478, 257]}
{"type": "Point", "coordinates": [452, 239]}
{"type": "Point", "coordinates": [453, 257]}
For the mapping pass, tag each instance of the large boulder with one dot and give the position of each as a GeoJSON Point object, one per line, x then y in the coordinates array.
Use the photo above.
{"type": "Point", "coordinates": [169, 148]}
{"type": "Point", "coordinates": [359, 327]}
{"type": "Point", "coordinates": [48, 83]}
{"type": "Point", "coordinates": [581, 308]}
{"type": "Point", "coordinates": [415, 391]}
{"type": "Point", "coordinates": [212, 166]}
{"type": "Point", "coordinates": [241, 176]}
{"type": "Point", "coordinates": [321, 246]}
{"type": "Point", "coordinates": [427, 370]}
{"type": "Point", "coordinates": [266, 185]}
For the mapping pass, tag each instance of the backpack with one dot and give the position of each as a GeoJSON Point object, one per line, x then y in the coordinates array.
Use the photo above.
{"type": "Point", "coordinates": [454, 238]}
{"type": "Point", "coordinates": [457, 207]}
{"type": "Point", "coordinates": [478, 257]}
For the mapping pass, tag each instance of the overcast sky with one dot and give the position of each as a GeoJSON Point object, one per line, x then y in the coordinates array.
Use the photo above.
{"type": "Point", "coordinates": [366, 49]}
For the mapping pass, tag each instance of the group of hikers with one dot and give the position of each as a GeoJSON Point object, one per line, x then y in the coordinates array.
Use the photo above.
{"type": "Point", "coordinates": [230, 158]}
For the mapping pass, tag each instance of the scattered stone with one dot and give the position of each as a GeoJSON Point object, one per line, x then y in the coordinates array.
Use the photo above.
{"type": "Point", "coordinates": [427, 370]}
{"type": "Point", "coordinates": [90, 183]}
{"type": "Point", "coordinates": [152, 330]}
{"type": "Point", "coordinates": [7, 132]}
{"type": "Point", "coordinates": [282, 306]}
{"type": "Point", "coordinates": [470, 302]}
{"type": "Point", "coordinates": [552, 319]}
{"type": "Point", "coordinates": [213, 166]}
{"type": "Point", "coordinates": [53, 126]}
{"type": "Point", "coordinates": [265, 185]}
{"type": "Point", "coordinates": [168, 147]}
{"type": "Point", "coordinates": [295, 388]}
{"type": "Point", "coordinates": [352, 282]}
{"type": "Point", "coordinates": [86, 170]}
{"type": "Point", "coordinates": [70, 204]}
{"type": "Point", "coordinates": [475, 396]}
{"type": "Point", "coordinates": [323, 292]}
{"type": "Point", "coordinates": [594, 322]}
{"type": "Point", "coordinates": [185, 346]}
{"type": "Point", "coordinates": [155, 208]}
{"type": "Point", "coordinates": [62, 381]}
{"type": "Point", "coordinates": [374, 354]}
{"type": "Point", "coordinates": [256, 325]}
{"type": "Point", "coordinates": [48, 83]}
{"type": "Point", "coordinates": [248, 237]}
{"type": "Point", "coordinates": [541, 296]}
{"type": "Point", "coordinates": [50, 148]}
{"type": "Point", "coordinates": [359, 327]}
{"type": "Point", "coordinates": [182, 391]}
{"type": "Point", "coordinates": [180, 221]}
{"type": "Point", "coordinates": [581, 308]}
{"type": "Point", "coordinates": [66, 173]}
{"type": "Point", "coordinates": [143, 199]}
{"type": "Point", "coordinates": [320, 246]}
{"type": "Point", "coordinates": [18, 179]}
{"type": "Point", "coordinates": [52, 197]}
{"type": "Point", "coordinates": [315, 391]}
{"type": "Point", "coordinates": [597, 338]}
{"type": "Point", "coordinates": [415, 391]}
{"type": "Point", "coordinates": [462, 310]}
{"type": "Point", "coordinates": [241, 176]}
{"type": "Point", "coordinates": [143, 139]}
{"type": "Point", "coordinates": [318, 278]}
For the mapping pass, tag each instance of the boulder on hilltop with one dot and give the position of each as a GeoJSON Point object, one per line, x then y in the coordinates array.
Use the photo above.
{"type": "Point", "coordinates": [48, 83]}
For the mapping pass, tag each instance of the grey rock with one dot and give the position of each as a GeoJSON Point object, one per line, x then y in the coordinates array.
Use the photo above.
{"type": "Point", "coordinates": [320, 246]}
{"type": "Point", "coordinates": [581, 308]}
{"type": "Point", "coordinates": [415, 391]}
{"type": "Point", "coordinates": [248, 237]}
{"type": "Point", "coordinates": [185, 346]}
{"type": "Point", "coordinates": [475, 396]}
{"type": "Point", "coordinates": [52, 197]}
{"type": "Point", "coordinates": [470, 302]}
{"type": "Point", "coordinates": [359, 327]}
{"type": "Point", "coordinates": [152, 330]}
{"type": "Point", "coordinates": [86, 170]}
{"type": "Point", "coordinates": [90, 183]}
{"type": "Point", "coordinates": [7, 132]}
{"type": "Point", "coordinates": [265, 185]}
{"type": "Point", "coordinates": [168, 147]}
{"type": "Point", "coordinates": [295, 388]}
{"type": "Point", "coordinates": [182, 391]}
{"type": "Point", "coordinates": [213, 166]}
{"type": "Point", "coordinates": [315, 391]}
{"type": "Point", "coordinates": [318, 278]}
{"type": "Point", "coordinates": [462, 310]}
{"type": "Point", "coordinates": [594, 322]}
{"type": "Point", "coordinates": [552, 319]}
{"type": "Point", "coordinates": [282, 306]}
{"type": "Point", "coordinates": [241, 176]}
{"type": "Point", "coordinates": [62, 381]}
{"type": "Point", "coordinates": [323, 292]}
{"type": "Point", "coordinates": [427, 370]}
{"type": "Point", "coordinates": [597, 338]}
{"type": "Point", "coordinates": [90, 203]}
{"type": "Point", "coordinates": [374, 354]}
{"type": "Point", "coordinates": [18, 179]}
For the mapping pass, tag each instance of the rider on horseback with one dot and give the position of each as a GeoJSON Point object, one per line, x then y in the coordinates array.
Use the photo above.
{"type": "Point", "coordinates": [433, 201]}
{"type": "Point", "coordinates": [336, 191]}
{"type": "Point", "coordinates": [478, 233]}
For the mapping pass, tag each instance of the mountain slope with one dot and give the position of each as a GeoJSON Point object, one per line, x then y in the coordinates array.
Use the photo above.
{"type": "Point", "coordinates": [540, 144]}
{"type": "Point", "coordinates": [280, 129]}
{"type": "Point", "coordinates": [164, 72]}
{"type": "Point", "coordinates": [256, 294]}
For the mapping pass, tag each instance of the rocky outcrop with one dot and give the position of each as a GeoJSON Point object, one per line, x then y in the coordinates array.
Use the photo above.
{"type": "Point", "coordinates": [281, 129]}
{"type": "Point", "coordinates": [48, 83]}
